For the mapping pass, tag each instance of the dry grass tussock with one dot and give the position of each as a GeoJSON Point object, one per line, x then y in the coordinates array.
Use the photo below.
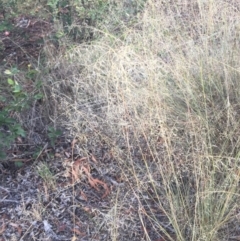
{"type": "Point", "coordinates": [164, 97]}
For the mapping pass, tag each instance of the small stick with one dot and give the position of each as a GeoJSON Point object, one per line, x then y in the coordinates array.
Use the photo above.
{"type": "Point", "coordinates": [9, 200]}
{"type": "Point", "coordinates": [4, 189]}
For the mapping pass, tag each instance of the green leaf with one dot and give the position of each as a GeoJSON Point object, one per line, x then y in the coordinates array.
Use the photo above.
{"type": "Point", "coordinates": [2, 98]}
{"type": "Point", "coordinates": [18, 164]}
{"type": "Point", "coordinates": [2, 27]}
{"type": "Point", "coordinates": [17, 130]}
{"type": "Point", "coordinates": [20, 132]}
{"type": "Point", "coordinates": [5, 24]}
{"type": "Point", "coordinates": [17, 88]}
{"type": "Point", "coordinates": [38, 96]}
{"type": "Point", "coordinates": [58, 132]}
{"type": "Point", "coordinates": [10, 81]}
{"type": "Point", "coordinates": [8, 121]}
{"type": "Point", "coordinates": [39, 84]}
{"type": "Point", "coordinates": [53, 135]}
{"type": "Point", "coordinates": [8, 72]}
{"type": "Point", "coordinates": [14, 70]}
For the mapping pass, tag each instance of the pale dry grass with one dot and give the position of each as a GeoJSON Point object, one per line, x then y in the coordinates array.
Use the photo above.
{"type": "Point", "coordinates": [164, 97]}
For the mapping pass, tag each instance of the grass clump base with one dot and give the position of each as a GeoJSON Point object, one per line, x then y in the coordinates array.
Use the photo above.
{"type": "Point", "coordinates": [164, 98]}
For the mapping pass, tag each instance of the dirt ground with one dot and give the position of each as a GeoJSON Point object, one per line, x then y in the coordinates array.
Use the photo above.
{"type": "Point", "coordinates": [81, 198]}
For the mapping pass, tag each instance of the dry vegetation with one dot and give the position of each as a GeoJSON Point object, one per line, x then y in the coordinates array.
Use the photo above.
{"type": "Point", "coordinates": [161, 101]}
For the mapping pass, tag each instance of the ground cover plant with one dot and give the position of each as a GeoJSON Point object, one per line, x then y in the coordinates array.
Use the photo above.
{"type": "Point", "coordinates": [148, 108]}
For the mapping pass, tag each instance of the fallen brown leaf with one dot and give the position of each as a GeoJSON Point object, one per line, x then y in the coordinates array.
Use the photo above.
{"type": "Point", "coordinates": [76, 166]}
{"type": "Point", "coordinates": [74, 142]}
{"type": "Point", "coordinates": [19, 229]}
{"type": "Point", "coordinates": [87, 209]}
{"type": "Point", "coordinates": [94, 182]}
{"type": "Point", "coordinates": [94, 159]}
{"type": "Point", "coordinates": [77, 231]}
{"type": "Point", "coordinates": [61, 227]}
{"type": "Point", "coordinates": [83, 196]}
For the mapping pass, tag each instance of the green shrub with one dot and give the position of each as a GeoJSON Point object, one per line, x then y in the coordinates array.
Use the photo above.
{"type": "Point", "coordinates": [14, 99]}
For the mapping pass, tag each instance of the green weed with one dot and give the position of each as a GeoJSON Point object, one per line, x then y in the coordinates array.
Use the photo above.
{"type": "Point", "coordinates": [14, 99]}
{"type": "Point", "coordinates": [53, 134]}
{"type": "Point", "coordinates": [45, 173]}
